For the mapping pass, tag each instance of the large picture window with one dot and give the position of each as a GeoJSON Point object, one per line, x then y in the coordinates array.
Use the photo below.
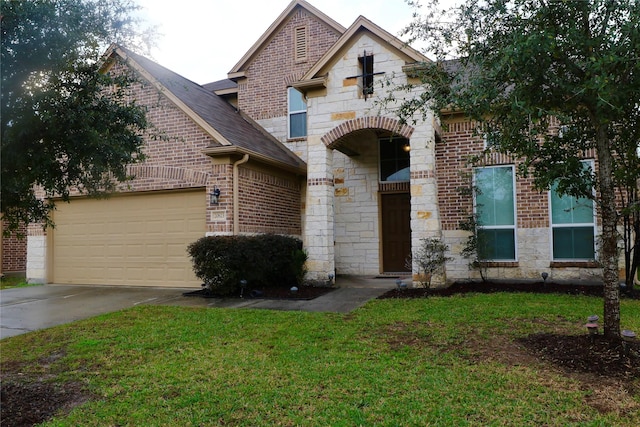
{"type": "Point", "coordinates": [394, 159]}
{"type": "Point", "coordinates": [495, 212]}
{"type": "Point", "coordinates": [297, 114]}
{"type": "Point", "coordinates": [572, 225]}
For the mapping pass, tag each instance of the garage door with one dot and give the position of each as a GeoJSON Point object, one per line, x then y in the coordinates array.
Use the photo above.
{"type": "Point", "coordinates": [137, 240]}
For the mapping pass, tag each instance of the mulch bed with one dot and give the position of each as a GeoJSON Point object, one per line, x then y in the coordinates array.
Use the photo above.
{"type": "Point", "coordinates": [491, 287]}
{"type": "Point", "coordinates": [281, 292]}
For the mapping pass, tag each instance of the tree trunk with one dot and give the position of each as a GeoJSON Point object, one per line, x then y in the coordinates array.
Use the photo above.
{"type": "Point", "coordinates": [609, 242]}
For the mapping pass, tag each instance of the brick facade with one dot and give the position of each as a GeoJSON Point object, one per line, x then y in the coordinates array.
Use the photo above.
{"type": "Point", "coordinates": [270, 203]}
{"type": "Point", "coordinates": [263, 94]}
{"type": "Point", "coordinates": [533, 232]}
{"type": "Point", "coordinates": [14, 252]}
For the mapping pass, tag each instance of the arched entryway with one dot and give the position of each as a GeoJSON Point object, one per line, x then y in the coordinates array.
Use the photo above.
{"type": "Point", "coordinates": [372, 202]}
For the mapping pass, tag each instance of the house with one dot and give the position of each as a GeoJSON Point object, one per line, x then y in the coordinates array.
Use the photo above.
{"type": "Point", "coordinates": [293, 142]}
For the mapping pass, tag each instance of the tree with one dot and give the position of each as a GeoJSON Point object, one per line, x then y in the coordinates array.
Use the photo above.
{"type": "Point", "coordinates": [64, 124]}
{"type": "Point", "coordinates": [521, 66]}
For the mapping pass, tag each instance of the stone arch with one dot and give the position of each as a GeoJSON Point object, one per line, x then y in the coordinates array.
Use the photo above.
{"type": "Point", "coordinates": [168, 173]}
{"type": "Point", "coordinates": [332, 138]}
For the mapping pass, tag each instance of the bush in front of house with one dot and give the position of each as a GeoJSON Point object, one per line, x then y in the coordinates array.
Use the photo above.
{"type": "Point", "coordinates": [265, 260]}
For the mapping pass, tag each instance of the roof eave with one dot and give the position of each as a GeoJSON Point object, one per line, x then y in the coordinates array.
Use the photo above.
{"type": "Point", "coordinates": [315, 83]}
{"type": "Point", "coordinates": [234, 149]}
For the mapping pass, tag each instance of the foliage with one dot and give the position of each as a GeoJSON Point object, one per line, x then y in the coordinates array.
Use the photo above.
{"type": "Point", "coordinates": [264, 260]}
{"type": "Point", "coordinates": [8, 282]}
{"type": "Point", "coordinates": [379, 365]}
{"type": "Point", "coordinates": [64, 124]}
{"type": "Point", "coordinates": [521, 66]}
{"type": "Point", "coordinates": [474, 248]}
{"type": "Point", "coordinates": [430, 258]}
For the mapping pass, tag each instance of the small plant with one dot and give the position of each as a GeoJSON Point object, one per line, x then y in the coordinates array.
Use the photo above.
{"type": "Point", "coordinates": [430, 258]}
{"type": "Point", "coordinates": [475, 248]}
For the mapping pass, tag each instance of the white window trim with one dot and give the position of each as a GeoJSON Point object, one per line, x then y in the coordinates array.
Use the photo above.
{"type": "Point", "coordinates": [593, 225]}
{"type": "Point", "coordinates": [513, 227]}
{"type": "Point", "coordinates": [292, 112]}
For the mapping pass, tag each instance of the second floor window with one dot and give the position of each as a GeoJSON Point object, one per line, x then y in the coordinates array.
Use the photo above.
{"type": "Point", "coordinates": [297, 116]}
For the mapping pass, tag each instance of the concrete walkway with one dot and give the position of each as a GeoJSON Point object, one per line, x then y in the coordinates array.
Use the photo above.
{"type": "Point", "coordinates": [28, 309]}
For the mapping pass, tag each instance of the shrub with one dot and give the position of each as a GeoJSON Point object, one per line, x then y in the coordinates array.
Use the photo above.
{"type": "Point", "coordinates": [262, 260]}
{"type": "Point", "coordinates": [430, 258]}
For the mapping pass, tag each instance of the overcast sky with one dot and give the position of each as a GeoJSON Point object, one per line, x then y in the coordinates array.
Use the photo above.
{"type": "Point", "coordinates": [203, 39]}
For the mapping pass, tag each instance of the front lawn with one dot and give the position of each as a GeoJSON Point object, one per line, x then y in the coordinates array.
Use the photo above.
{"type": "Point", "coordinates": [456, 361]}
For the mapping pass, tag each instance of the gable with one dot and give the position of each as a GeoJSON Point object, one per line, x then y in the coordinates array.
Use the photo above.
{"type": "Point", "coordinates": [362, 33]}
{"type": "Point", "coordinates": [227, 126]}
{"type": "Point", "coordinates": [295, 7]}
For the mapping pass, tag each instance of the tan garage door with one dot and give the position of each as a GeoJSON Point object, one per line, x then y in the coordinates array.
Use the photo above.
{"type": "Point", "coordinates": [137, 240]}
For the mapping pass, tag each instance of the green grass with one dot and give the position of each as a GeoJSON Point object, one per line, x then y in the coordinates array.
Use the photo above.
{"type": "Point", "coordinates": [390, 363]}
{"type": "Point", "coordinates": [8, 282]}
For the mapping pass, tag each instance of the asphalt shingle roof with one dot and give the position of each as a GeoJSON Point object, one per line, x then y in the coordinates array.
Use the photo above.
{"type": "Point", "coordinates": [234, 126]}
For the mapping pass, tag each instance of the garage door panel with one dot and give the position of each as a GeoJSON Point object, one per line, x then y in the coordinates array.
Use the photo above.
{"type": "Point", "coordinates": [136, 240]}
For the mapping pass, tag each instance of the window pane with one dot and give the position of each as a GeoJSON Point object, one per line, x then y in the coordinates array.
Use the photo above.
{"type": "Point", "coordinates": [394, 160]}
{"type": "Point", "coordinates": [296, 101]}
{"type": "Point", "coordinates": [496, 244]}
{"type": "Point", "coordinates": [570, 210]}
{"type": "Point", "coordinates": [582, 210]}
{"type": "Point", "coordinates": [298, 125]}
{"type": "Point", "coordinates": [494, 200]}
{"type": "Point", "coordinates": [573, 243]}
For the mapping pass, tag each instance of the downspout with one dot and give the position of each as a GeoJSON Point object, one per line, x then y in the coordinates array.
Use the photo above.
{"type": "Point", "coordinates": [236, 194]}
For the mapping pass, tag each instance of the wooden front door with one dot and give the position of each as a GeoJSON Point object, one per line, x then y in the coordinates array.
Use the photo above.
{"type": "Point", "coordinates": [396, 231]}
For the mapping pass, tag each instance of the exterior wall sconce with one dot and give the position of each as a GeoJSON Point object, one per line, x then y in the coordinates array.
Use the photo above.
{"type": "Point", "coordinates": [214, 196]}
{"type": "Point", "coordinates": [406, 147]}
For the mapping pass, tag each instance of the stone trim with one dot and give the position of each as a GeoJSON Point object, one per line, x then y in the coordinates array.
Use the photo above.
{"type": "Point", "coordinates": [332, 137]}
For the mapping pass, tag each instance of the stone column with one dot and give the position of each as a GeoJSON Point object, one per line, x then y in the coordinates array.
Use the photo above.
{"type": "Point", "coordinates": [36, 254]}
{"type": "Point", "coordinates": [425, 215]}
{"type": "Point", "coordinates": [318, 226]}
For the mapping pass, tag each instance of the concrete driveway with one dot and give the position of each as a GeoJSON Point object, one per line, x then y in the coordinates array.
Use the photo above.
{"type": "Point", "coordinates": [28, 309]}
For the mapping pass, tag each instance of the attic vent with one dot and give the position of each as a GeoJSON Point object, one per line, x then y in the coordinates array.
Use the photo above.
{"type": "Point", "coordinates": [300, 42]}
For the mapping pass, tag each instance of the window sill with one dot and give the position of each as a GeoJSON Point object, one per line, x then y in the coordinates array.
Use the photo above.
{"type": "Point", "coordinates": [503, 264]}
{"type": "Point", "coordinates": [300, 138]}
{"type": "Point", "coordinates": [580, 264]}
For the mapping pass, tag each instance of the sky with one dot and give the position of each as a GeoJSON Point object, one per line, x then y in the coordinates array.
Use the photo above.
{"type": "Point", "coordinates": [203, 39]}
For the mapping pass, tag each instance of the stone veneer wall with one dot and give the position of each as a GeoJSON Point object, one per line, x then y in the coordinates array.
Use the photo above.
{"type": "Point", "coordinates": [342, 200]}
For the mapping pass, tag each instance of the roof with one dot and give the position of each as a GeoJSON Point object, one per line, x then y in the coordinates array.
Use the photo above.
{"type": "Point", "coordinates": [227, 126]}
{"type": "Point", "coordinates": [224, 84]}
{"type": "Point", "coordinates": [237, 70]}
